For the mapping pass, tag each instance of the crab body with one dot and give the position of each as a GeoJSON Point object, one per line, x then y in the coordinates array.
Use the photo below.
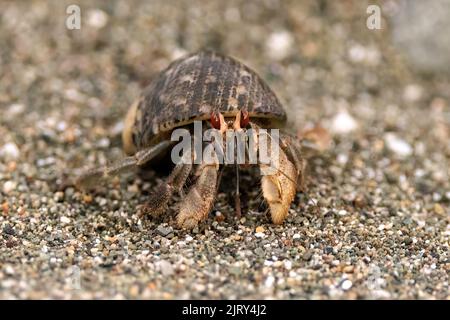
{"type": "Point", "coordinates": [192, 88]}
{"type": "Point", "coordinates": [228, 96]}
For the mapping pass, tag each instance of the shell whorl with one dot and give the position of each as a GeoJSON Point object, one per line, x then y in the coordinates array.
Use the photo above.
{"type": "Point", "coordinates": [192, 87]}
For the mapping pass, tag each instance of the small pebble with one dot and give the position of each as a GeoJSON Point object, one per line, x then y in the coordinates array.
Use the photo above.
{"type": "Point", "coordinates": [97, 18]}
{"type": "Point", "coordinates": [134, 290]}
{"type": "Point", "coordinates": [346, 284]}
{"type": "Point", "coordinates": [307, 255]}
{"type": "Point", "coordinates": [259, 251]}
{"type": "Point", "coordinates": [260, 229]}
{"type": "Point", "coordinates": [287, 264]}
{"type": "Point", "coordinates": [15, 109]}
{"type": "Point", "coordinates": [65, 220]}
{"type": "Point", "coordinates": [343, 123]}
{"type": "Point", "coordinates": [87, 198]}
{"type": "Point", "coordinates": [165, 267]}
{"type": "Point", "coordinates": [5, 207]}
{"type": "Point", "coordinates": [269, 281]}
{"type": "Point", "coordinates": [279, 45]}
{"type": "Point", "coordinates": [9, 186]}
{"type": "Point", "coordinates": [412, 93]}
{"type": "Point", "coordinates": [45, 162]}
{"type": "Point", "coordinates": [438, 209]}
{"type": "Point", "coordinates": [342, 212]}
{"type": "Point", "coordinates": [164, 231]}
{"type": "Point", "coordinates": [348, 269]}
{"type": "Point", "coordinates": [9, 270]}
{"type": "Point", "coordinates": [397, 145]}
{"type": "Point", "coordinates": [9, 230]}
{"type": "Point", "coordinates": [260, 234]}
{"type": "Point", "coordinates": [10, 151]}
{"type": "Point", "coordinates": [59, 196]}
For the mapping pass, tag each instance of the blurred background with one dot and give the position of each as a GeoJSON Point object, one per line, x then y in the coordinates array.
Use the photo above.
{"type": "Point", "coordinates": [374, 74]}
{"type": "Point", "coordinates": [320, 57]}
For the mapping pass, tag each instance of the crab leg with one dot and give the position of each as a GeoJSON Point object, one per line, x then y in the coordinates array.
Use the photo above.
{"type": "Point", "coordinates": [91, 176]}
{"type": "Point", "coordinates": [200, 199]}
{"type": "Point", "coordinates": [237, 199]}
{"type": "Point", "coordinates": [292, 148]}
{"type": "Point", "coordinates": [157, 204]}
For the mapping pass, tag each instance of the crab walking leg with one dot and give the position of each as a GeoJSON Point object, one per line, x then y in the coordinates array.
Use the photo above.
{"type": "Point", "coordinates": [292, 148]}
{"type": "Point", "coordinates": [157, 204]}
{"type": "Point", "coordinates": [91, 176]}
{"type": "Point", "coordinates": [199, 201]}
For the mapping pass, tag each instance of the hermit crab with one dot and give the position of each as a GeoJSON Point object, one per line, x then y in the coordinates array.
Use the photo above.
{"type": "Point", "coordinates": [226, 96]}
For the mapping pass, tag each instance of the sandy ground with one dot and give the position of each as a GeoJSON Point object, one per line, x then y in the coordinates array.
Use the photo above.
{"type": "Point", "coordinates": [374, 223]}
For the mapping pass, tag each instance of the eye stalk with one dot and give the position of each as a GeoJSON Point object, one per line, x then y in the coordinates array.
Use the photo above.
{"type": "Point", "coordinates": [245, 119]}
{"type": "Point", "coordinates": [215, 120]}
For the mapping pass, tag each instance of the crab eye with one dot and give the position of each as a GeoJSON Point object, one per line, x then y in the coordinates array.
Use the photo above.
{"type": "Point", "coordinates": [215, 120]}
{"type": "Point", "coordinates": [245, 119]}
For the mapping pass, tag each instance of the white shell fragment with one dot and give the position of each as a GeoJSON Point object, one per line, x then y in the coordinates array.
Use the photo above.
{"type": "Point", "coordinates": [397, 145]}
{"type": "Point", "coordinates": [9, 151]}
{"type": "Point", "coordinates": [343, 123]}
{"type": "Point", "coordinates": [279, 45]}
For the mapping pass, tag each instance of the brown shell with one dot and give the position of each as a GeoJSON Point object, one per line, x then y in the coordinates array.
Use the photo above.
{"type": "Point", "coordinates": [192, 87]}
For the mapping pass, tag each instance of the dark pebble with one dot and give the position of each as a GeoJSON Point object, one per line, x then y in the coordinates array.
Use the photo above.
{"type": "Point", "coordinates": [407, 241]}
{"type": "Point", "coordinates": [164, 231]}
{"type": "Point", "coordinates": [307, 255]}
{"type": "Point", "coordinates": [328, 250]}
{"type": "Point", "coordinates": [9, 230]}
